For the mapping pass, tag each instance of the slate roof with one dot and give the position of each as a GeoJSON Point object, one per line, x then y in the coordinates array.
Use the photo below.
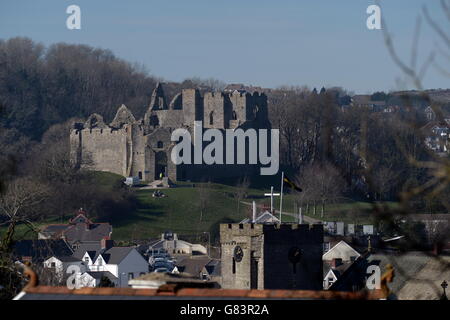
{"type": "Point", "coordinates": [53, 229]}
{"type": "Point", "coordinates": [68, 259]}
{"type": "Point", "coordinates": [40, 250]}
{"type": "Point", "coordinates": [115, 255]}
{"type": "Point", "coordinates": [99, 274]}
{"type": "Point", "coordinates": [193, 265]}
{"type": "Point", "coordinates": [82, 248]}
{"type": "Point", "coordinates": [79, 228]}
{"type": "Point", "coordinates": [214, 267]}
{"type": "Point", "coordinates": [406, 265]}
{"type": "Point", "coordinates": [95, 232]}
{"type": "Point", "coordinates": [339, 270]}
{"type": "Point", "coordinates": [112, 255]}
{"type": "Point", "coordinates": [265, 218]}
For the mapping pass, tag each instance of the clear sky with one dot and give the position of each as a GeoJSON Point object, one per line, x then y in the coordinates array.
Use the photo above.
{"type": "Point", "coordinates": [260, 42]}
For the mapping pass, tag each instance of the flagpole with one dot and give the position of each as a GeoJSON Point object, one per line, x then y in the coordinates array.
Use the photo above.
{"type": "Point", "coordinates": [271, 199]}
{"type": "Point", "coordinates": [281, 193]}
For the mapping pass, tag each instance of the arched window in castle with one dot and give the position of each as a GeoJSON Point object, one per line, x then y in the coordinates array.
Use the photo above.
{"type": "Point", "coordinates": [160, 144]}
{"type": "Point", "coordinates": [211, 118]}
{"type": "Point", "coordinates": [233, 115]}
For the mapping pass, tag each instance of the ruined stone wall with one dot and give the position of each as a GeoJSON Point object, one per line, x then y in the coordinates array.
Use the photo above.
{"type": "Point", "coordinates": [214, 103]}
{"type": "Point", "coordinates": [128, 147]}
{"type": "Point", "coordinates": [240, 102]}
{"type": "Point", "coordinates": [138, 151]}
{"type": "Point", "coordinates": [192, 106]}
{"type": "Point", "coordinates": [108, 149]}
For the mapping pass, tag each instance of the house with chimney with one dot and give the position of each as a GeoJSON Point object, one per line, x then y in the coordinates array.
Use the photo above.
{"type": "Point", "coordinates": [118, 264]}
{"type": "Point", "coordinates": [78, 230]}
{"type": "Point", "coordinates": [344, 268]}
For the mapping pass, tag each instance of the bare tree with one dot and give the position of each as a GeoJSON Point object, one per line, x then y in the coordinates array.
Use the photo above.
{"type": "Point", "coordinates": [204, 198]}
{"type": "Point", "coordinates": [241, 191]}
{"type": "Point", "coordinates": [18, 205]}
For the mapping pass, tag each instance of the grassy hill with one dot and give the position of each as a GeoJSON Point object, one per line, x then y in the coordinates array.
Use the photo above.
{"type": "Point", "coordinates": [180, 210]}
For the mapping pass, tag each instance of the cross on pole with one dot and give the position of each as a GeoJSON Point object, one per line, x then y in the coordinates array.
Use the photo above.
{"type": "Point", "coordinates": [271, 195]}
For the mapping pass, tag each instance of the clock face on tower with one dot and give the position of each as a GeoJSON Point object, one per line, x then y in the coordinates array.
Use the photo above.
{"type": "Point", "coordinates": [294, 255]}
{"type": "Point", "coordinates": [238, 253]}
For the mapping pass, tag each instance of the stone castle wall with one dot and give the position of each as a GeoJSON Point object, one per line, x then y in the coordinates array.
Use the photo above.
{"type": "Point", "coordinates": [128, 146]}
{"type": "Point", "coordinates": [103, 149]}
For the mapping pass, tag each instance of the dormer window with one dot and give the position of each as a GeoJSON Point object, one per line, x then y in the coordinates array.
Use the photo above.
{"type": "Point", "coordinates": [100, 261]}
{"type": "Point", "coordinates": [86, 259]}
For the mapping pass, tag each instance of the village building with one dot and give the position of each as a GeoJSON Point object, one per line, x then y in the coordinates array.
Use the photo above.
{"type": "Point", "coordinates": [79, 229]}
{"type": "Point", "coordinates": [343, 268]}
{"type": "Point", "coordinates": [124, 263]}
{"type": "Point", "coordinates": [169, 243]}
{"type": "Point", "coordinates": [271, 256]}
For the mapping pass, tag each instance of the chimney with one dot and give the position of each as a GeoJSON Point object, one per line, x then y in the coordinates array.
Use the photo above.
{"type": "Point", "coordinates": [106, 243]}
{"type": "Point", "coordinates": [254, 212]}
{"type": "Point", "coordinates": [336, 262]}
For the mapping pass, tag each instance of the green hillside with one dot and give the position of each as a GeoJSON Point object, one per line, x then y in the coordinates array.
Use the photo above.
{"type": "Point", "coordinates": [180, 210]}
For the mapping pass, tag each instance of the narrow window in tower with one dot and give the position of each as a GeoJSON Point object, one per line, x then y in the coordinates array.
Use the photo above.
{"type": "Point", "coordinates": [211, 118]}
{"type": "Point", "coordinates": [234, 266]}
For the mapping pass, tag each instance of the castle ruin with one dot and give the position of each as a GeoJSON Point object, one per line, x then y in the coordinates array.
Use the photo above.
{"type": "Point", "coordinates": [142, 148]}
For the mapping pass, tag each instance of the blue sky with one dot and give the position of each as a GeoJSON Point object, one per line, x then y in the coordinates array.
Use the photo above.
{"type": "Point", "coordinates": [260, 42]}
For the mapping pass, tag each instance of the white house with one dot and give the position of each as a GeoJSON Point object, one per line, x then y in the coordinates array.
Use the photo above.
{"type": "Point", "coordinates": [124, 263]}
{"type": "Point", "coordinates": [337, 261]}
{"type": "Point", "coordinates": [59, 264]}
{"type": "Point", "coordinates": [119, 264]}
{"type": "Point", "coordinates": [93, 278]}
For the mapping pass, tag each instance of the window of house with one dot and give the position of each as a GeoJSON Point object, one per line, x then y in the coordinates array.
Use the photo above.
{"type": "Point", "coordinates": [100, 261]}
{"type": "Point", "coordinates": [211, 118]}
{"type": "Point", "coordinates": [159, 144]}
{"type": "Point", "coordinates": [130, 276]}
{"type": "Point", "coordinates": [53, 265]}
{"type": "Point", "coordinates": [86, 259]}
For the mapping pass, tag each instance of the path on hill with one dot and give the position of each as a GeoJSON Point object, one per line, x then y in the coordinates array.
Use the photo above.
{"type": "Point", "coordinates": [305, 218]}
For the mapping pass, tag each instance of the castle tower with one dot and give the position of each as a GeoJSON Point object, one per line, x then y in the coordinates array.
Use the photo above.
{"type": "Point", "coordinates": [271, 256]}
{"type": "Point", "coordinates": [192, 106]}
{"type": "Point", "coordinates": [216, 110]}
{"type": "Point", "coordinates": [158, 100]}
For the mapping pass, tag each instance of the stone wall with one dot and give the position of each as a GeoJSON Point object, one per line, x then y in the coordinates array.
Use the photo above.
{"type": "Point", "coordinates": [108, 149]}
{"type": "Point", "coordinates": [127, 146]}
{"type": "Point", "coordinates": [265, 262]}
